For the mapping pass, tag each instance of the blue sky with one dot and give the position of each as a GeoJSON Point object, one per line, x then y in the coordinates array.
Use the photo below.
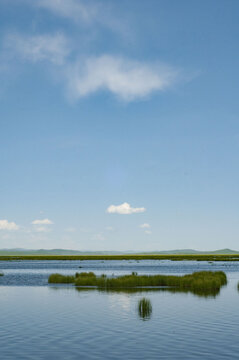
{"type": "Point", "coordinates": [119, 124]}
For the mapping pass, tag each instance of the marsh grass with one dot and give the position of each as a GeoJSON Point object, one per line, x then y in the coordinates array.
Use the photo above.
{"type": "Point", "coordinates": [144, 308]}
{"type": "Point", "coordinates": [202, 282]}
{"type": "Point", "coordinates": [61, 279]}
{"type": "Point", "coordinates": [85, 275]}
{"type": "Point", "coordinates": [1, 274]}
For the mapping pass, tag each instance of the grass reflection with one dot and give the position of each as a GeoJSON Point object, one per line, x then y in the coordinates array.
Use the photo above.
{"type": "Point", "coordinates": [199, 293]}
{"type": "Point", "coordinates": [144, 309]}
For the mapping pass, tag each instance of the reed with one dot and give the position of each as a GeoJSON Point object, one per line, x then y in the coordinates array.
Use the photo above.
{"type": "Point", "coordinates": [85, 275]}
{"type": "Point", "coordinates": [61, 279]}
{"type": "Point", "coordinates": [199, 281]}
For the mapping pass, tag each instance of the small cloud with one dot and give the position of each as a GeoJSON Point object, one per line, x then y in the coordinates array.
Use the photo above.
{"type": "Point", "coordinates": [70, 229]}
{"type": "Point", "coordinates": [42, 229]}
{"type": "Point", "coordinates": [99, 237]}
{"type": "Point", "coordinates": [109, 228]}
{"type": "Point", "coordinates": [6, 225]}
{"type": "Point", "coordinates": [42, 222]}
{"type": "Point", "coordinates": [145, 226]}
{"type": "Point", "coordinates": [127, 79]}
{"type": "Point", "coordinates": [124, 209]}
{"type": "Point", "coordinates": [148, 232]}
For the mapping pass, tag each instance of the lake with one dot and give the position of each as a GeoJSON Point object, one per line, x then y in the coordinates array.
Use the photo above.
{"type": "Point", "coordinates": [38, 321]}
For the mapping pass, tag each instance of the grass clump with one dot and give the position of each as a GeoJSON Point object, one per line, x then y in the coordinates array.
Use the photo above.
{"type": "Point", "coordinates": [201, 282]}
{"type": "Point", "coordinates": [61, 279]}
{"type": "Point", "coordinates": [85, 275]}
{"type": "Point", "coordinates": [144, 308]}
{"type": "Point", "coordinates": [1, 274]}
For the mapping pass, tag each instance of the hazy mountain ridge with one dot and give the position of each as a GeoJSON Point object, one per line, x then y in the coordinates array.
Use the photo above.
{"type": "Point", "coordinates": [78, 252]}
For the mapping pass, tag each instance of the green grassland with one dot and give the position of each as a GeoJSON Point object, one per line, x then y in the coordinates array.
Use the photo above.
{"type": "Point", "coordinates": [220, 257]}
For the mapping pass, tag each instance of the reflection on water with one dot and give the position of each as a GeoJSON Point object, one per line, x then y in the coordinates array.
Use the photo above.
{"type": "Point", "coordinates": [204, 293]}
{"type": "Point", "coordinates": [144, 309]}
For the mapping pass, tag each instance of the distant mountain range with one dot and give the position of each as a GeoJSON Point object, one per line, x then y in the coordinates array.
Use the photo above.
{"type": "Point", "coordinates": [78, 252]}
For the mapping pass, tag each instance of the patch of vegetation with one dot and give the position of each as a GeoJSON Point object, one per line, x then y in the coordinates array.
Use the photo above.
{"type": "Point", "coordinates": [202, 282]}
{"type": "Point", "coordinates": [85, 275]}
{"type": "Point", "coordinates": [61, 279]}
{"type": "Point", "coordinates": [1, 274]}
{"type": "Point", "coordinates": [144, 308]}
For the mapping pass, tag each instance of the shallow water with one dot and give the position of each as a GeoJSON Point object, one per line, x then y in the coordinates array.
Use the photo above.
{"type": "Point", "coordinates": [48, 322]}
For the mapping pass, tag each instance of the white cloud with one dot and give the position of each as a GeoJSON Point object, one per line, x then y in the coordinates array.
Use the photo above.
{"type": "Point", "coordinates": [124, 209]}
{"type": "Point", "coordinates": [6, 225]}
{"type": "Point", "coordinates": [70, 229]}
{"type": "Point", "coordinates": [109, 228]}
{"type": "Point", "coordinates": [99, 237]}
{"type": "Point", "coordinates": [148, 232]}
{"type": "Point", "coordinates": [41, 229]}
{"type": "Point", "coordinates": [42, 222]}
{"type": "Point", "coordinates": [144, 226]}
{"type": "Point", "coordinates": [50, 47]}
{"type": "Point", "coordinates": [127, 79]}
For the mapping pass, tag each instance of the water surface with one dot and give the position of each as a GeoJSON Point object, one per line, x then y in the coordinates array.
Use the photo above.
{"type": "Point", "coordinates": [38, 321]}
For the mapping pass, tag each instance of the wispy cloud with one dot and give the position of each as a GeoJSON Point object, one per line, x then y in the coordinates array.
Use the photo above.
{"type": "Point", "coordinates": [124, 209]}
{"type": "Point", "coordinates": [109, 228]}
{"type": "Point", "coordinates": [98, 236]}
{"type": "Point", "coordinates": [48, 47]}
{"type": "Point", "coordinates": [42, 222]}
{"type": "Point", "coordinates": [144, 226]}
{"type": "Point", "coordinates": [6, 225]}
{"type": "Point", "coordinates": [86, 12]}
{"type": "Point", "coordinates": [125, 78]}
{"type": "Point", "coordinates": [72, 9]}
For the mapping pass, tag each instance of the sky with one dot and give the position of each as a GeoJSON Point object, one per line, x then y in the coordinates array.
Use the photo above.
{"type": "Point", "coordinates": [119, 125]}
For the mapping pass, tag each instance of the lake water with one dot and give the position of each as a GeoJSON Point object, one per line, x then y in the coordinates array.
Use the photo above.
{"type": "Point", "coordinates": [38, 321]}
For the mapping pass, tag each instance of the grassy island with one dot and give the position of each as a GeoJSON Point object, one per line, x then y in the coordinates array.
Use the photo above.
{"type": "Point", "coordinates": [198, 282]}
